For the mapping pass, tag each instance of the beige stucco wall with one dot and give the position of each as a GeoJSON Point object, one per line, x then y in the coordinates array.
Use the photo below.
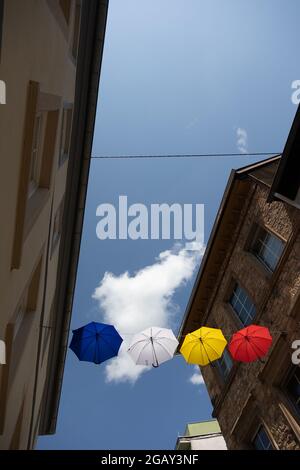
{"type": "Point", "coordinates": [34, 47]}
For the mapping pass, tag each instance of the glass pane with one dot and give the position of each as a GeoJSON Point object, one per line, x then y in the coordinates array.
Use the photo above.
{"type": "Point", "coordinates": [225, 364]}
{"type": "Point", "coordinates": [242, 305]}
{"type": "Point", "coordinates": [293, 388]}
{"type": "Point", "coordinates": [268, 248]}
{"type": "Point", "coordinates": [34, 172]}
{"type": "Point", "coordinates": [261, 440]}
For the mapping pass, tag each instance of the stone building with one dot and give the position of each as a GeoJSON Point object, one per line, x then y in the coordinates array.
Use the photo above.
{"type": "Point", "coordinates": [250, 274]}
{"type": "Point", "coordinates": [50, 59]}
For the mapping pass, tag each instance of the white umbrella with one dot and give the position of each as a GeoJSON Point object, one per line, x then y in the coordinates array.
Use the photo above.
{"type": "Point", "coordinates": [153, 346]}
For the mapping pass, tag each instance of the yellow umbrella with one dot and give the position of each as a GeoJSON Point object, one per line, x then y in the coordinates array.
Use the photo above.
{"type": "Point", "coordinates": [203, 346]}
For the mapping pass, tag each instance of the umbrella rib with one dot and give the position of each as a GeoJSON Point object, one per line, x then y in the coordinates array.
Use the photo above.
{"type": "Point", "coordinates": [78, 338]}
{"type": "Point", "coordinates": [237, 337]}
{"type": "Point", "coordinates": [97, 350]}
{"type": "Point", "coordinates": [254, 329]}
{"type": "Point", "coordinates": [248, 350]}
{"type": "Point", "coordinates": [192, 348]}
{"type": "Point", "coordinates": [139, 355]}
{"type": "Point", "coordinates": [109, 345]}
{"type": "Point", "coordinates": [209, 346]}
{"type": "Point", "coordinates": [136, 343]}
{"type": "Point", "coordinates": [89, 327]}
{"type": "Point", "coordinates": [166, 337]}
{"type": "Point", "coordinates": [206, 352]}
{"type": "Point", "coordinates": [111, 331]}
{"type": "Point", "coordinates": [238, 347]}
{"type": "Point", "coordinates": [212, 337]}
{"type": "Point", "coordinates": [213, 349]}
{"type": "Point", "coordinates": [196, 340]}
{"type": "Point", "coordinates": [157, 333]}
{"type": "Point", "coordinates": [164, 347]}
{"type": "Point", "coordinates": [86, 348]}
{"type": "Point", "coordinates": [257, 349]}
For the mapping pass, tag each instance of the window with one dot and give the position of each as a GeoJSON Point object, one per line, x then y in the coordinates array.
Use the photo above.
{"type": "Point", "coordinates": [224, 364]}
{"type": "Point", "coordinates": [23, 319]}
{"type": "Point", "coordinates": [21, 311]}
{"type": "Point", "coordinates": [242, 305]}
{"type": "Point", "coordinates": [268, 248]}
{"type": "Point", "coordinates": [65, 138]}
{"type": "Point", "coordinates": [48, 330]}
{"type": "Point", "coordinates": [36, 156]}
{"type": "Point", "coordinates": [16, 437]}
{"type": "Point", "coordinates": [65, 6]}
{"type": "Point", "coordinates": [292, 388]}
{"type": "Point", "coordinates": [17, 338]}
{"type": "Point", "coordinates": [261, 440]}
{"type": "Point", "coordinates": [76, 30]}
{"type": "Point", "coordinates": [39, 145]}
{"type": "Point", "coordinates": [57, 226]}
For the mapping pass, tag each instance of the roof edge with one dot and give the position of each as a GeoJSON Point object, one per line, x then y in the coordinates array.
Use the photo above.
{"type": "Point", "coordinates": [235, 175]}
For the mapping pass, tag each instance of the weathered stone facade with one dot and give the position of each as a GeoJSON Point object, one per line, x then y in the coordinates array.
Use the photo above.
{"type": "Point", "coordinates": [253, 394]}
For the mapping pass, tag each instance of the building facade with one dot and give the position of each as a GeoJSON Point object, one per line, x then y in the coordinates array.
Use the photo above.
{"type": "Point", "coordinates": [50, 57]}
{"type": "Point", "coordinates": [250, 274]}
{"type": "Point", "coordinates": [205, 435]}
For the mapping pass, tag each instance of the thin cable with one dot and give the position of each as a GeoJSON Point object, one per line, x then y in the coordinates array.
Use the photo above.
{"type": "Point", "coordinates": [201, 155]}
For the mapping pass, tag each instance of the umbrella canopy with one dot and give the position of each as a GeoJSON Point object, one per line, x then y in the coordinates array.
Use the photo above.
{"type": "Point", "coordinates": [250, 343]}
{"type": "Point", "coordinates": [153, 346]}
{"type": "Point", "coordinates": [203, 346]}
{"type": "Point", "coordinates": [95, 342]}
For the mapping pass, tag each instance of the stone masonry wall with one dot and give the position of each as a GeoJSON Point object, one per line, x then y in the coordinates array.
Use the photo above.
{"type": "Point", "coordinates": [274, 295]}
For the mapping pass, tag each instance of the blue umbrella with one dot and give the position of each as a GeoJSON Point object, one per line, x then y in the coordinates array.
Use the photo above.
{"type": "Point", "coordinates": [96, 342]}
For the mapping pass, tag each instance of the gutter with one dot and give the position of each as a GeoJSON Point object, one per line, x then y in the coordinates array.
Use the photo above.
{"type": "Point", "coordinates": [210, 243]}
{"type": "Point", "coordinates": [239, 174]}
{"type": "Point", "coordinates": [287, 180]}
{"type": "Point", "coordinates": [201, 436]}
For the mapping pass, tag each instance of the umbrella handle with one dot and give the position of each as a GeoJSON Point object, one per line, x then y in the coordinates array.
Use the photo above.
{"type": "Point", "coordinates": [155, 366]}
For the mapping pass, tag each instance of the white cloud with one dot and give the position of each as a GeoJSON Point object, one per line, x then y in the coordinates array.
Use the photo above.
{"type": "Point", "coordinates": [242, 140]}
{"type": "Point", "coordinates": [196, 378]}
{"type": "Point", "coordinates": [133, 303]}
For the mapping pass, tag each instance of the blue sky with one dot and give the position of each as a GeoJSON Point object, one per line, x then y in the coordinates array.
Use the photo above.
{"type": "Point", "coordinates": [177, 77]}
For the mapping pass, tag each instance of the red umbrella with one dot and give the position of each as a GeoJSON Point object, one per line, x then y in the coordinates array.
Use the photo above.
{"type": "Point", "coordinates": [250, 343]}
